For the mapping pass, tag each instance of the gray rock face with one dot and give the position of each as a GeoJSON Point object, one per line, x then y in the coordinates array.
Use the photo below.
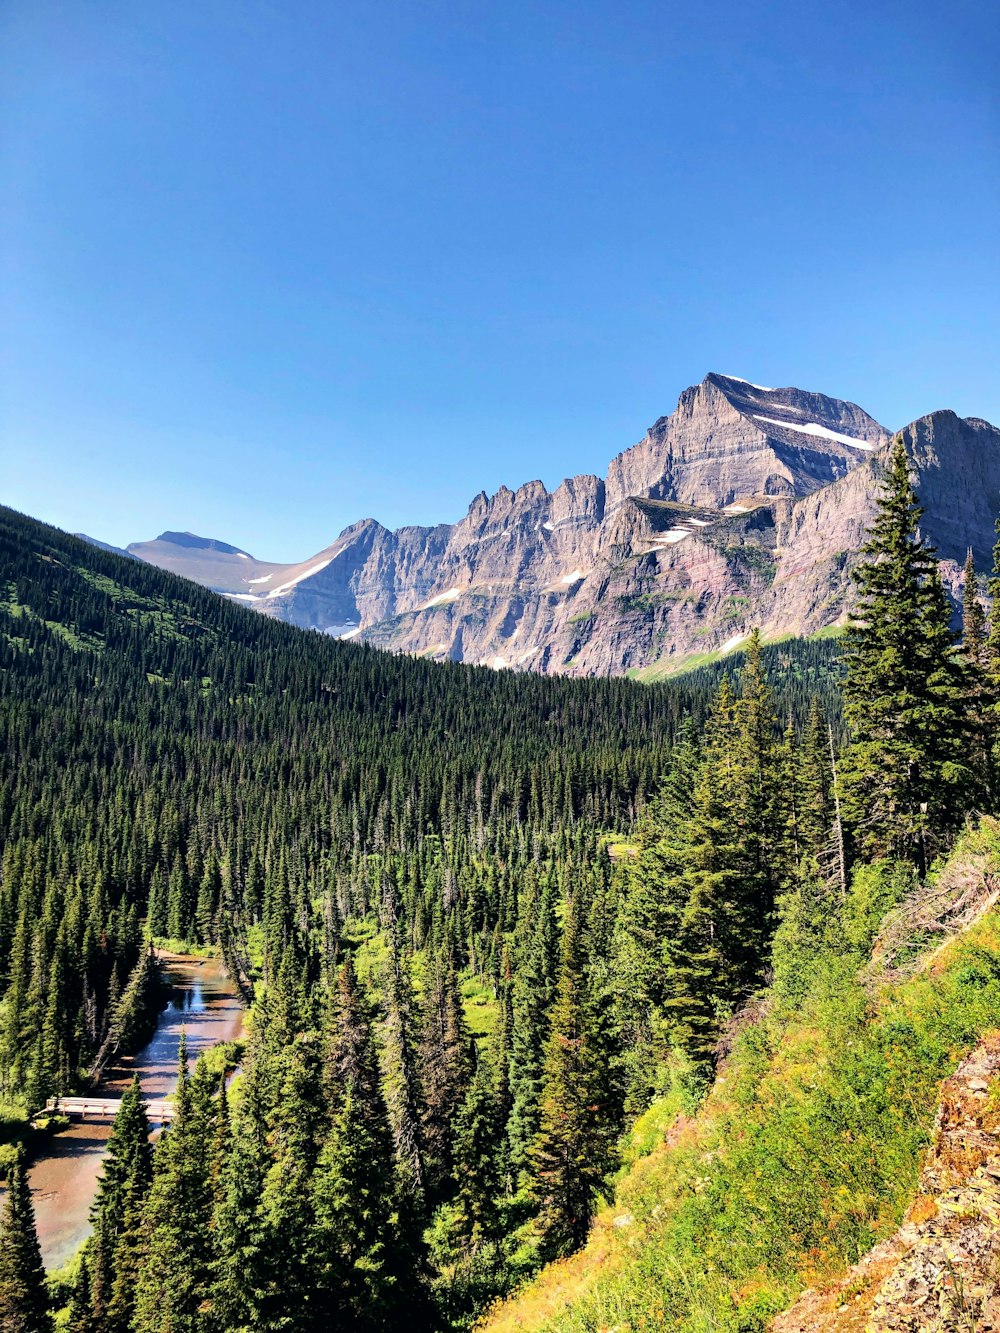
{"type": "Point", "coordinates": [729, 438]}
{"type": "Point", "coordinates": [744, 508]}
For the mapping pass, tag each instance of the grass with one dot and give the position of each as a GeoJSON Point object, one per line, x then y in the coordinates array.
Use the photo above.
{"type": "Point", "coordinates": [163, 944]}
{"type": "Point", "coordinates": [674, 666]}
{"type": "Point", "coordinates": [804, 1155]}
{"type": "Point", "coordinates": [479, 1007]}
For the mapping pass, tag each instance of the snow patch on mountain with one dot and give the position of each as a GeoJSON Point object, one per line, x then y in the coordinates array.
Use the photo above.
{"type": "Point", "coordinates": [448, 596]}
{"type": "Point", "coordinates": [814, 428]}
{"type": "Point", "coordinates": [740, 380]}
{"type": "Point", "coordinates": [306, 573]}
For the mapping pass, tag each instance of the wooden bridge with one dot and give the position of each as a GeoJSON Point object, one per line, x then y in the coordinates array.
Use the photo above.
{"type": "Point", "coordinates": [105, 1108]}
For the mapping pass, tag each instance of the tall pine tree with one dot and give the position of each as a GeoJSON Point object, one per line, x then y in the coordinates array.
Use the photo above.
{"type": "Point", "coordinates": [24, 1306]}
{"type": "Point", "coordinates": [907, 779]}
{"type": "Point", "coordinates": [573, 1151]}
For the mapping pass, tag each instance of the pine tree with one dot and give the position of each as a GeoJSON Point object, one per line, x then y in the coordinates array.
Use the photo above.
{"type": "Point", "coordinates": [816, 813]}
{"type": "Point", "coordinates": [477, 1156]}
{"type": "Point", "coordinates": [991, 671]}
{"type": "Point", "coordinates": [975, 657]}
{"type": "Point", "coordinates": [907, 780]}
{"type": "Point", "coordinates": [444, 1058]}
{"type": "Point", "coordinates": [296, 1124]}
{"type": "Point", "coordinates": [353, 1187]}
{"type": "Point", "coordinates": [24, 1306]}
{"type": "Point", "coordinates": [115, 1215]}
{"type": "Point", "coordinates": [973, 616]}
{"type": "Point", "coordinates": [81, 1308]}
{"type": "Point", "coordinates": [755, 796]}
{"type": "Point", "coordinates": [573, 1151]}
{"type": "Point", "coordinates": [173, 1282]}
{"type": "Point", "coordinates": [242, 1265]}
{"type": "Point", "coordinates": [531, 999]}
{"type": "Point", "coordinates": [709, 959]}
{"type": "Point", "coordinates": [649, 916]}
{"type": "Point", "coordinates": [400, 1081]}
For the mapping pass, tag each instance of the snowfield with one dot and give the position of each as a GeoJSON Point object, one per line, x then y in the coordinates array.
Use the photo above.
{"type": "Point", "coordinates": [823, 432]}
{"type": "Point", "coordinates": [306, 574]}
{"type": "Point", "coordinates": [448, 596]}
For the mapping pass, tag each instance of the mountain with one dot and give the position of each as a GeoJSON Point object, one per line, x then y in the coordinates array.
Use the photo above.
{"type": "Point", "coordinates": [743, 507]}
{"type": "Point", "coordinates": [104, 546]}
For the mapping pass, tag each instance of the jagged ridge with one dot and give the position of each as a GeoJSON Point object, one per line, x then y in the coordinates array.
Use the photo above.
{"type": "Point", "coordinates": [745, 506]}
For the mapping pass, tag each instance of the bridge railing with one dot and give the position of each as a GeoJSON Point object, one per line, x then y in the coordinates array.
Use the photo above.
{"type": "Point", "coordinates": [106, 1108]}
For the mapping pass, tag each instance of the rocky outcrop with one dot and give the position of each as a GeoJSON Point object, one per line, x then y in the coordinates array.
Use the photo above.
{"type": "Point", "coordinates": [940, 1272]}
{"type": "Point", "coordinates": [745, 507]}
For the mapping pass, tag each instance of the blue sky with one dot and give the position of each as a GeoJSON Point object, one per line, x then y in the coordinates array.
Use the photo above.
{"type": "Point", "coordinates": [270, 266]}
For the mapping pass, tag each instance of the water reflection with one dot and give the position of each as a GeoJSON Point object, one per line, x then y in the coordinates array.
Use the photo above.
{"type": "Point", "coordinates": [205, 1006]}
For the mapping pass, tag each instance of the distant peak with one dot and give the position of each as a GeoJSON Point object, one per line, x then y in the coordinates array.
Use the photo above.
{"type": "Point", "coordinates": [193, 542]}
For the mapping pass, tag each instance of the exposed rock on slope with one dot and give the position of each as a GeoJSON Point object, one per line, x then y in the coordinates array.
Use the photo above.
{"type": "Point", "coordinates": [745, 507]}
{"type": "Point", "coordinates": [940, 1273]}
{"type": "Point", "coordinates": [729, 438]}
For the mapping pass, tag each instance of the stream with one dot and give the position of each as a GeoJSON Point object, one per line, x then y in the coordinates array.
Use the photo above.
{"type": "Point", "coordinates": [204, 1003]}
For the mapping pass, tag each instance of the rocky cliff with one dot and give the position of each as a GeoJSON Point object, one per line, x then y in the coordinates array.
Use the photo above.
{"type": "Point", "coordinates": [744, 507]}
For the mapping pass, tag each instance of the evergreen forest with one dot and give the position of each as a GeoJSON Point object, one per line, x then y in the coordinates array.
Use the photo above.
{"type": "Point", "coordinates": [483, 922]}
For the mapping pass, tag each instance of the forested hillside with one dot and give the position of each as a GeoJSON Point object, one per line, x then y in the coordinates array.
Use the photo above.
{"type": "Point", "coordinates": [485, 921]}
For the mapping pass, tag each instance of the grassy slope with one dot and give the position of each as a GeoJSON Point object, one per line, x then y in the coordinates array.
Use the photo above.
{"type": "Point", "coordinates": [805, 1153]}
{"type": "Point", "coordinates": [667, 667]}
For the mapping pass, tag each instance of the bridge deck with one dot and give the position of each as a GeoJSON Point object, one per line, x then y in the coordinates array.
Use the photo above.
{"type": "Point", "coordinates": [106, 1108]}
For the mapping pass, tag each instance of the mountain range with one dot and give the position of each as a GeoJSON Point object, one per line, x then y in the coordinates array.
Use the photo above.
{"type": "Point", "coordinates": [745, 507]}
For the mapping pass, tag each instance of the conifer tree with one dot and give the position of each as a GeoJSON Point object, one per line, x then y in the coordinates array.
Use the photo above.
{"type": "Point", "coordinates": [126, 1174]}
{"type": "Point", "coordinates": [573, 1151]}
{"type": "Point", "coordinates": [444, 1057]}
{"type": "Point", "coordinates": [754, 796]}
{"type": "Point", "coordinates": [973, 616]}
{"type": "Point", "coordinates": [907, 780]}
{"type": "Point", "coordinates": [707, 955]}
{"type": "Point", "coordinates": [241, 1237]}
{"type": "Point", "coordinates": [991, 672]}
{"type": "Point", "coordinates": [815, 789]}
{"type": "Point", "coordinates": [402, 1092]}
{"type": "Point", "coordinates": [174, 1276]}
{"type": "Point", "coordinates": [81, 1308]}
{"type": "Point", "coordinates": [991, 648]}
{"type": "Point", "coordinates": [353, 1186]}
{"type": "Point", "coordinates": [531, 999]}
{"type": "Point", "coordinates": [978, 712]}
{"type": "Point", "coordinates": [477, 1154]}
{"type": "Point", "coordinates": [647, 918]}
{"type": "Point", "coordinates": [24, 1306]}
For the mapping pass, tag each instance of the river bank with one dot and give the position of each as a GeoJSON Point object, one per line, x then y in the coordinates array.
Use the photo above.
{"type": "Point", "coordinates": [204, 1004]}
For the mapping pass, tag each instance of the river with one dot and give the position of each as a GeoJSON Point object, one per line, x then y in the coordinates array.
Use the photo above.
{"type": "Point", "coordinates": [204, 1003]}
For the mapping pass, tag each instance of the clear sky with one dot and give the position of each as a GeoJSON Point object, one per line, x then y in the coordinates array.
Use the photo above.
{"type": "Point", "coordinates": [270, 266]}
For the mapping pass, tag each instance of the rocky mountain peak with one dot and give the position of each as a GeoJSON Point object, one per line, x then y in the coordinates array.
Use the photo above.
{"type": "Point", "coordinates": [729, 438]}
{"type": "Point", "coordinates": [745, 506]}
{"type": "Point", "coordinates": [190, 541]}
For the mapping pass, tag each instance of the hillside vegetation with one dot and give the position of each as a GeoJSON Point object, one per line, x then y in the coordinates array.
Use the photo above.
{"type": "Point", "coordinates": [499, 934]}
{"type": "Point", "coordinates": [807, 1150]}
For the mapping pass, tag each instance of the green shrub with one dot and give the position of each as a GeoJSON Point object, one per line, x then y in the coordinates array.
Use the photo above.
{"type": "Point", "coordinates": [8, 1155]}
